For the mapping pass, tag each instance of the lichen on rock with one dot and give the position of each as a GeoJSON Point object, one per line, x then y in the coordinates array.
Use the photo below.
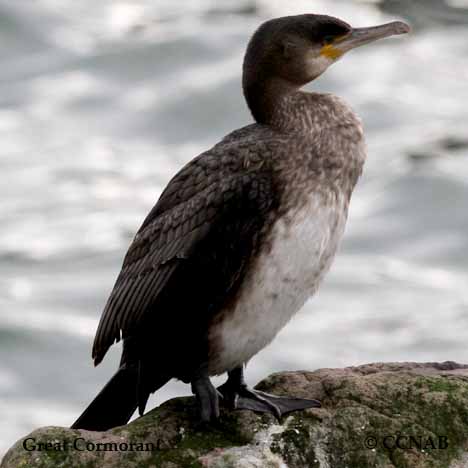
{"type": "Point", "coordinates": [394, 415]}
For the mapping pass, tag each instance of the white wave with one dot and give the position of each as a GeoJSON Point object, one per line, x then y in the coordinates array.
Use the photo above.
{"type": "Point", "coordinates": [61, 322]}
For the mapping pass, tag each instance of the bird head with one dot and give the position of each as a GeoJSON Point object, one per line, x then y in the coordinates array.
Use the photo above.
{"type": "Point", "coordinates": [297, 49]}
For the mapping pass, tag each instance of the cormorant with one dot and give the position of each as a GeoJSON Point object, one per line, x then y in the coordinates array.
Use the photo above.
{"type": "Point", "coordinates": [242, 235]}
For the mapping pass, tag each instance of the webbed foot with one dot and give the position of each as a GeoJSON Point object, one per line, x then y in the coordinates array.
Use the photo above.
{"type": "Point", "coordinates": [237, 395]}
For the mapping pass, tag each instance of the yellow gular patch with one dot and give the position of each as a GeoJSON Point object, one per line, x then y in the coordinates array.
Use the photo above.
{"type": "Point", "coordinates": [331, 52]}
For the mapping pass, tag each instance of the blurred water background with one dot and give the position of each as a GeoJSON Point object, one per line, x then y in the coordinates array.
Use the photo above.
{"type": "Point", "coordinates": [102, 102]}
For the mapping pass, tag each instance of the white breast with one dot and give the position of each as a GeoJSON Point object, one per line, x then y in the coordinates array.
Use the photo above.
{"type": "Point", "coordinates": [303, 246]}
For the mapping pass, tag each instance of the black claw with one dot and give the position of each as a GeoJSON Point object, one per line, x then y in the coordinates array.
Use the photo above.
{"type": "Point", "coordinates": [236, 395]}
{"type": "Point", "coordinates": [278, 406]}
{"type": "Point", "coordinates": [251, 399]}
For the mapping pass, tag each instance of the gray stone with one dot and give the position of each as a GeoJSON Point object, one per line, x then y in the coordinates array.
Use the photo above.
{"type": "Point", "coordinates": [426, 405]}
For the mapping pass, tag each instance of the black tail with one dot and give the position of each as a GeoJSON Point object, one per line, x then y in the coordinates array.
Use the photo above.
{"type": "Point", "coordinates": [115, 403]}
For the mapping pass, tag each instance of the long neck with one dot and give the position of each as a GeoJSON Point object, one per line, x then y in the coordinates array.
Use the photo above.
{"type": "Point", "coordinates": [268, 98]}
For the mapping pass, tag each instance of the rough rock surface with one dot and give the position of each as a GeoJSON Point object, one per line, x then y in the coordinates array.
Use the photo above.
{"type": "Point", "coordinates": [364, 411]}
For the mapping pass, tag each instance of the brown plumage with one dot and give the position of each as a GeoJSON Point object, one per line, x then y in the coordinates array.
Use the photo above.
{"type": "Point", "coordinates": [242, 235]}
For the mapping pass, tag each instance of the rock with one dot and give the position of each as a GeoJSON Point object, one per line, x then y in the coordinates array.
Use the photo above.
{"type": "Point", "coordinates": [401, 415]}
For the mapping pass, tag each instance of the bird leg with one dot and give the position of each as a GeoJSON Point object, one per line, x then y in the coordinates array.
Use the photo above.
{"type": "Point", "coordinates": [237, 395]}
{"type": "Point", "coordinates": [207, 397]}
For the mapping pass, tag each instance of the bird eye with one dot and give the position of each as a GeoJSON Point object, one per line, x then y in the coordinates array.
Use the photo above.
{"type": "Point", "coordinates": [328, 39]}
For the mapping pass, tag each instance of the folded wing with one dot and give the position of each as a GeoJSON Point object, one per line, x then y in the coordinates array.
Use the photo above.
{"type": "Point", "coordinates": [211, 231]}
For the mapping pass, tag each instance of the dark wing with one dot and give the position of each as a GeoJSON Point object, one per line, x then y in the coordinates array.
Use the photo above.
{"type": "Point", "coordinates": [217, 227]}
{"type": "Point", "coordinates": [241, 150]}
